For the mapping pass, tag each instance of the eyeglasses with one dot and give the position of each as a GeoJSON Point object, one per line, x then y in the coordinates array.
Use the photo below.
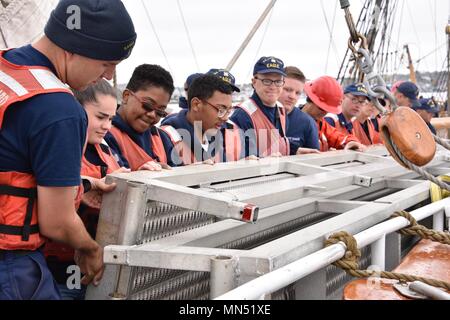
{"type": "Point", "coordinates": [357, 101]}
{"type": "Point", "coordinates": [148, 106]}
{"type": "Point", "coordinates": [221, 111]}
{"type": "Point", "coordinates": [268, 82]}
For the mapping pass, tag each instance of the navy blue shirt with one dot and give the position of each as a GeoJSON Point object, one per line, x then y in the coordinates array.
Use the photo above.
{"type": "Point", "coordinates": [43, 135]}
{"type": "Point", "coordinates": [244, 122]}
{"type": "Point", "coordinates": [216, 143]}
{"type": "Point", "coordinates": [143, 140]}
{"type": "Point", "coordinates": [347, 125]}
{"type": "Point", "coordinates": [302, 132]}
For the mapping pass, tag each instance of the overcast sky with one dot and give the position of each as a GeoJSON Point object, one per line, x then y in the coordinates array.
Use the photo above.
{"type": "Point", "coordinates": [296, 31]}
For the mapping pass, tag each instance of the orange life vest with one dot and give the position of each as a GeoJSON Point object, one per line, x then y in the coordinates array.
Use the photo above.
{"type": "Point", "coordinates": [232, 144]}
{"type": "Point", "coordinates": [337, 123]}
{"type": "Point", "coordinates": [135, 155]}
{"type": "Point", "coordinates": [358, 131]}
{"type": "Point", "coordinates": [91, 170]}
{"type": "Point", "coordinates": [19, 228]}
{"type": "Point", "coordinates": [330, 137]}
{"type": "Point", "coordinates": [269, 139]}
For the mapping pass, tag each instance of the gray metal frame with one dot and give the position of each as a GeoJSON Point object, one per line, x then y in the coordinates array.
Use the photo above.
{"type": "Point", "coordinates": [345, 190]}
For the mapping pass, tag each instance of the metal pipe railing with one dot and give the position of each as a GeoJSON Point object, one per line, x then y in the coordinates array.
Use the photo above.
{"type": "Point", "coordinates": [298, 269]}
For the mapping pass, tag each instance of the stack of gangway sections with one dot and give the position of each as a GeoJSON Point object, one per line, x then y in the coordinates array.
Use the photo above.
{"type": "Point", "coordinates": [169, 234]}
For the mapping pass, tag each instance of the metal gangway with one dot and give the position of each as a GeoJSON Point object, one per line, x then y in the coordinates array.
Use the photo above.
{"type": "Point", "coordinates": [198, 232]}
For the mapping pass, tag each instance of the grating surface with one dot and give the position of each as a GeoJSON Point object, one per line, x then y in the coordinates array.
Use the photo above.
{"type": "Point", "coordinates": [164, 220]}
{"type": "Point", "coordinates": [163, 284]}
{"type": "Point", "coordinates": [248, 183]}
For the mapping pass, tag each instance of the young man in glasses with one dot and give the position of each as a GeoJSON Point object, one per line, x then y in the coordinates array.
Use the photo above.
{"type": "Point", "coordinates": [134, 136]}
{"type": "Point", "coordinates": [261, 117]}
{"type": "Point", "coordinates": [202, 134]}
{"type": "Point", "coordinates": [355, 97]}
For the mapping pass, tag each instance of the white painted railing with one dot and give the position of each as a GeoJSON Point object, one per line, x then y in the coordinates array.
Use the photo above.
{"type": "Point", "coordinates": [280, 278]}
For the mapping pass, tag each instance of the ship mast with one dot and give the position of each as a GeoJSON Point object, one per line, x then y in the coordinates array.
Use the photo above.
{"type": "Point", "coordinates": [251, 34]}
{"type": "Point", "coordinates": [412, 71]}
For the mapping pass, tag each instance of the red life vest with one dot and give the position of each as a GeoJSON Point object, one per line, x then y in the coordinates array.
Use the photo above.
{"type": "Point", "coordinates": [269, 139]}
{"type": "Point", "coordinates": [232, 144]}
{"type": "Point", "coordinates": [19, 228]}
{"type": "Point", "coordinates": [358, 131]}
{"type": "Point", "coordinates": [135, 155]}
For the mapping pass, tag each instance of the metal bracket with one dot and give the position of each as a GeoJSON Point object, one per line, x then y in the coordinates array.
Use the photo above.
{"type": "Point", "coordinates": [404, 290]}
{"type": "Point", "coordinates": [420, 290]}
{"type": "Point", "coordinates": [194, 199]}
{"type": "Point", "coordinates": [363, 181]}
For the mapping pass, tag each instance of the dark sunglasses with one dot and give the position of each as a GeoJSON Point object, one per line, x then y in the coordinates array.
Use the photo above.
{"type": "Point", "coordinates": [149, 107]}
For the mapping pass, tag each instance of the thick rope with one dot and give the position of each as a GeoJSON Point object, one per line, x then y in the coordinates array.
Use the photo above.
{"type": "Point", "coordinates": [418, 169]}
{"type": "Point", "coordinates": [442, 142]}
{"type": "Point", "coordinates": [349, 263]}
{"type": "Point", "coordinates": [415, 229]}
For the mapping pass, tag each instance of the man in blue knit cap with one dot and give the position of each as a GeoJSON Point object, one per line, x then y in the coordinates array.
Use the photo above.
{"type": "Point", "coordinates": [43, 132]}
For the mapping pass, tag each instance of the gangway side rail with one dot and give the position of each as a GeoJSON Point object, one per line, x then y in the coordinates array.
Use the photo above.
{"type": "Point", "coordinates": [280, 278]}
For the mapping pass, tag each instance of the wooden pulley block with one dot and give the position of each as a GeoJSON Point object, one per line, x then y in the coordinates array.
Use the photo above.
{"type": "Point", "coordinates": [410, 134]}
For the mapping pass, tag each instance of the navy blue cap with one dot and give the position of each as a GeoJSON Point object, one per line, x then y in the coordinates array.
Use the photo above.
{"type": "Point", "coordinates": [357, 89]}
{"type": "Point", "coordinates": [191, 78]}
{"type": "Point", "coordinates": [96, 29]}
{"type": "Point", "coordinates": [410, 90]}
{"type": "Point", "coordinates": [269, 65]}
{"type": "Point", "coordinates": [226, 76]}
{"type": "Point", "coordinates": [428, 105]}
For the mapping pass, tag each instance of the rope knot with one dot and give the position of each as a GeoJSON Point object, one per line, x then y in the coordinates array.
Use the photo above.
{"type": "Point", "coordinates": [350, 260]}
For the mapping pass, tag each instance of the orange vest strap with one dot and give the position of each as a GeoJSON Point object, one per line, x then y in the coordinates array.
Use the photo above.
{"type": "Point", "coordinates": [158, 147]}
{"type": "Point", "coordinates": [27, 228]}
{"type": "Point", "coordinates": [232, 143]}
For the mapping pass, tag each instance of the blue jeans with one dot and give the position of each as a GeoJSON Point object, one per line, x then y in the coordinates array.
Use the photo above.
{"type": "Point", "coordinates": [26, 277]}
{"type": "Point", "coordinates": [71, 294]}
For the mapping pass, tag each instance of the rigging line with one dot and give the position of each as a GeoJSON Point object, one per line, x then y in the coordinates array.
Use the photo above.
{"type": "Point", "coordinates": [388, 31]}
{"type": "Point", "coordinates": [346, 60]}
{"type": "Point", "coordinates": [382, 48]}
{"type": "Point", "coordinates": [269, 18]}
{"type": "Point", "coordinates": [397, 48]}
{"type": "Point", "coordinates": [156, 35]}
{"type": "Point", "coordinates": [188, 35]}
{"type": "Point", "coordinates": [387, 13]}
{"type": "Point", "coordinates": [430, 53]}
{"type": "Point", "coordinates": [330, 31]}
{"type": "Point", "coordinates": [414, 29]}
{"type": "Point", "coordinates": [433, 17]}
{"type": "Point", "coordinates": [333, 24]}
